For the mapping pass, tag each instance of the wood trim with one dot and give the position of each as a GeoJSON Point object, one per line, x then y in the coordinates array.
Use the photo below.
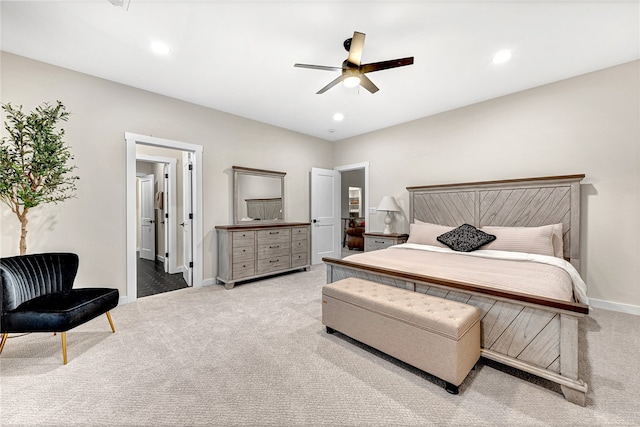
{"type": "Point", "coordinates": [253, 226]}
{"type": "Point", "coordinates": [261, 171]}
{"type": "Point", "coordinates": [559, 178]}
{"type": "Point", "coordinates": [270, 199]}
{"type": "Point", "coordinates": [392, 235]}
{"type": "Point", "coordinates": [530, 299]}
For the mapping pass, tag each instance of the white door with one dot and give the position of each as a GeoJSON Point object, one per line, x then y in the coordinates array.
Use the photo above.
{"type": "Point", "coordinates": [325, 214]}
{"type": "Point", "coordinates": [187, 218]}
{"type": "Point", "coordinates": [147, 219]}
{"type": "Point", "coordinates": [164, 212]}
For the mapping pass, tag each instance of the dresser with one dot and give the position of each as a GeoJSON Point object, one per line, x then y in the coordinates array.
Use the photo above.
{"type": "Point", "coordinates": [257, 250]}
{"type": "Point", "coordinates": [375, 241]}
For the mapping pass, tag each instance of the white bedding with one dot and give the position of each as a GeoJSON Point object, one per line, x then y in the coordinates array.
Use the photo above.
{"type": "Point", "coordinates": [564, 279]}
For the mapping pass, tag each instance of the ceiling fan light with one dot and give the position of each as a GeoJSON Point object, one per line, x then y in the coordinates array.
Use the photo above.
{"type": "Point", "coordinates": [351, 81]}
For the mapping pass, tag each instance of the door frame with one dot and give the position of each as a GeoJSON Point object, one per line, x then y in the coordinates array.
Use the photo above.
{"type": "Point", "coordinates": [187, 208]}
{"type": "Point", "coordinates": [357, 166]}
{"type": "Point", "coordinates": [170, 240]}
{"type": "Point", "coordinates": [131, 140]}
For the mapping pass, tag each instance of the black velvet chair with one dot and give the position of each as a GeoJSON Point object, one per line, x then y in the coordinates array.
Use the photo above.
{"type": "Point", "coordinates": [37, 296]}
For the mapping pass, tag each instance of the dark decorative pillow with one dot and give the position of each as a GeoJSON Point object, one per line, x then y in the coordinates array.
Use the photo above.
{"type": "Point", "coordinates": [465, 238]}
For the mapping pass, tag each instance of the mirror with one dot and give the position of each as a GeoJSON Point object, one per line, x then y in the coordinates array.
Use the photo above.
{"type": "Point", "coordinates": [258, 195]}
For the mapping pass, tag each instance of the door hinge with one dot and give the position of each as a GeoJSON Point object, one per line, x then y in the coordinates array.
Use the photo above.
{"type": "Point", "coordinates": [166, 215]}
{"type": "Point", "coordinates": [190, 264]}
{"type": "Point", "coordinates": [190, 167]}
{"type": "Point", "coordinates": [190, 216]}
{"type": "Point", "coordinates": [166, 175]}
{"type": "Point", "coordinates": [166, 254]}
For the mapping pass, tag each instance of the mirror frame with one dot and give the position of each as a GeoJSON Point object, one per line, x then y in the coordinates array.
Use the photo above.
{"type": "Point", "coordinates": [240, 170]}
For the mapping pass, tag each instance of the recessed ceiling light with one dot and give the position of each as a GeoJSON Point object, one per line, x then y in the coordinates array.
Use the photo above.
{"type": "Point", "coordinates": [160, 48]}
{"type": "Point", "coordinates": [501, 57]}
{"type": "Point", "coordinates": [338, 117]}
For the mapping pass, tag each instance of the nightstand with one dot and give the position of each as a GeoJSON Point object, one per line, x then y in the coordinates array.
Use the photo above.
{"type": "Point", "coordinates": [375, 241]}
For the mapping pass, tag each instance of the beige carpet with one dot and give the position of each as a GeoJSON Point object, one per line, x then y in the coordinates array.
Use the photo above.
{"type": "Point", "coordinates": [258, 355]}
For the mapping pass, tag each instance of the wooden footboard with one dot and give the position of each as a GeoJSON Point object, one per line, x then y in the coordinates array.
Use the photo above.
{"type": "Point", "coordinates": [535, 335]}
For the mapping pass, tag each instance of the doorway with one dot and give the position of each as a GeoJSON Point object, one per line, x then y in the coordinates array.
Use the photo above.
{"type": "Point", "coordinates": [354, 198]}
{"type": "Point", "coordinates": [196, 220]}
{"type": "Point", "coordinates": [159, 193]}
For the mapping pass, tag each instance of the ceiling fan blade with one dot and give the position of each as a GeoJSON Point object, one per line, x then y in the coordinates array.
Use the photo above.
{"type": "Point", "coordinates": [355, 51]}
{"type": "Point", "coordinates": [384, 65]}
{"type": "Point", "coordinates": [318, 67]}
{"type": "Point", "coordinates": [330, 85]}
{"type": "Point", "coordinates": [368, 84]}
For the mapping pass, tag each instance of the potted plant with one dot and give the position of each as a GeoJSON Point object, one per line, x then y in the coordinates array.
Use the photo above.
{"type": "Point", "coordinates": [34, 158]}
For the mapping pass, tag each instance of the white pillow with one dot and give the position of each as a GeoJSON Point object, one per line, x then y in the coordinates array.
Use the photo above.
{"type": "Point", "coordinates": [544, 240]}
{"type": "Point", "coordinates": [425, 233]}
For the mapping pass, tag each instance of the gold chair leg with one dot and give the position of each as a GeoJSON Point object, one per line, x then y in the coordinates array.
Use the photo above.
{"type": "Point", "coordinates": [64, 347]}
{"type": "Point", "coordinates": [113, 328]}
{"type": "Point", "coordinates": [4, 340]}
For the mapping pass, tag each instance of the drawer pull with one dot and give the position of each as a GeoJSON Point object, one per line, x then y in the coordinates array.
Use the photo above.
{"type": "Point", "coordinates": [274, 260]}
{"type": "Point", "coordinates": [274, 247]}
{"type": "Point", "coordinates": [274, 232]}
{"type": "Point", "coordinates": [378, 241]}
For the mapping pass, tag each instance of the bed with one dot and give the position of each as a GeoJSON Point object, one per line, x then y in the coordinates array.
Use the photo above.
{"type": "Point", "coordinates": [532, 331]}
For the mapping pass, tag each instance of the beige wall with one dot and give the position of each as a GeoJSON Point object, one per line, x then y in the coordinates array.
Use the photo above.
{"type": "Point", "coordinates": [93, 224]}
{"type": "Point", "coordinates": [589, 124]}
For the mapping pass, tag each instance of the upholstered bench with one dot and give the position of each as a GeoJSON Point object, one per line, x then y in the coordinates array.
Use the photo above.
{"type": "Point", "coordinates": [438, 336]}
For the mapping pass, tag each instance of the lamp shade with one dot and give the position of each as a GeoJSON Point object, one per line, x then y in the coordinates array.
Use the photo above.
{"type": "Point", "coordinates": [388, 204]}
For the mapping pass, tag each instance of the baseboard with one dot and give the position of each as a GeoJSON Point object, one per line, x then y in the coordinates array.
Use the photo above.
{"type": "Point", "coordinates": [615, 306]}
{"type": "Point", "coordinates": [123, 300]}
{"type": "Point", "coordinates": [207, 282]}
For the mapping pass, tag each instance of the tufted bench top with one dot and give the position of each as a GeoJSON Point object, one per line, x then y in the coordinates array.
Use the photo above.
{"type": "Point", "coordinates": [445, 317]}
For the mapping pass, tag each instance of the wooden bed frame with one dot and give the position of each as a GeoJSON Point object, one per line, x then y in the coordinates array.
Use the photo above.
{"type": "Point", "coordinates": [533, 334]}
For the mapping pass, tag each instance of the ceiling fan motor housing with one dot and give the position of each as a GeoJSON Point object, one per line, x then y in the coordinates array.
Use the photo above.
{"type": "Point", "coordinates": [347, 44]}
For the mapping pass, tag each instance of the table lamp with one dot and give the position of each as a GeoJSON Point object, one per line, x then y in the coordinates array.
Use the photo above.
{"type": "Point", "coordinates": [389, 205]}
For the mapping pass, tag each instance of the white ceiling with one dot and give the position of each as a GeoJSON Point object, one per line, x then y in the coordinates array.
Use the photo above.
{"type": "Point", "coordinates": [237, 56]}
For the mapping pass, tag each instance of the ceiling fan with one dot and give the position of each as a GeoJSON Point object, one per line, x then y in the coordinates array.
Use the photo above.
{"type": "Point", "coordinates": [353, 72]}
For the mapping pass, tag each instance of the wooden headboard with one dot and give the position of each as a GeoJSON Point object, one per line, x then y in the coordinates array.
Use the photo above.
{"type": "Point", "coordinates": [527, 202]}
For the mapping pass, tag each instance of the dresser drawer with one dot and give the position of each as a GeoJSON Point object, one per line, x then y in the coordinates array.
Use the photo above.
{"type": "Point", "coordinates": [243, 269]}
{"type": "Point", "coordinates": [374, 244]}
{"type": "Point", "coordinates": [299, 233]}
{"type": "Point", "coordinates": [273, 236]}
{"type": "Point", "coordinates": [299, 246]}
{"type": "Point", "coordinates": [298, 260]}
{"type": "Point", "coordinates": [273, 250]}
{"type": "Point", "coordinates": [243, 253]}
{"type": "Point", "coordinates": [274, 264]}
{"type": "Point", "coordinates": [375, 241]}
{"type": "Point", "coordinates": [243, 238]}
